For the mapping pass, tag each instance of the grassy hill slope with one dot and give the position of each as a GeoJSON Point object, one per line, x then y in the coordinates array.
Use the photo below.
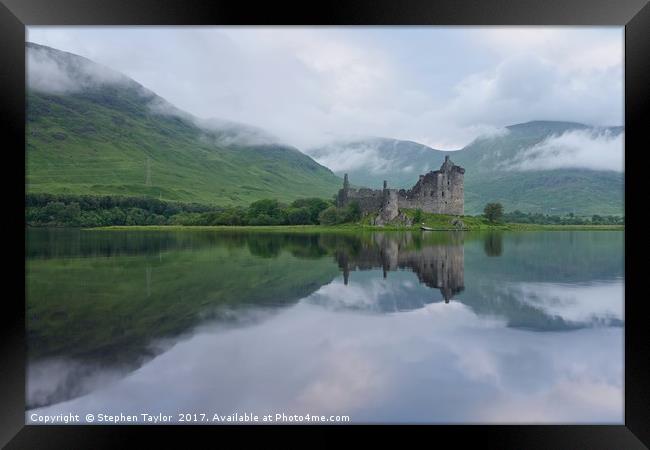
{"type": "Point", "coordinates": [111, 136]}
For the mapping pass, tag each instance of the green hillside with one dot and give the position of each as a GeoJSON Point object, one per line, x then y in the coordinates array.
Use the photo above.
{"type": "Point", "coordinates": [487, 176]}
{"type": "Point", "coordinates": [556, 191]}
{"type": "Point", "coordinates": [108, 135]}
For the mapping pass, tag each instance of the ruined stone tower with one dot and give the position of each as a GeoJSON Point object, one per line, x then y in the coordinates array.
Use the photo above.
{"type": "Point", "coordinates": [439, 192]}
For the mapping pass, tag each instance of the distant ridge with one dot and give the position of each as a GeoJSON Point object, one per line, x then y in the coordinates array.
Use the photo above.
{"type": "Point", "coordinates": [574, 190]}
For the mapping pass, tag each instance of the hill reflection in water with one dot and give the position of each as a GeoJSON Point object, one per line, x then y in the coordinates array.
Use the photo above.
{"type": "Point", "coordinates": [102, 304]}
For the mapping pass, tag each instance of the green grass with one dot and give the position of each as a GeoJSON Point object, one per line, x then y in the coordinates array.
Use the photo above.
{"type": "Point", "coordinates": [438, 223]}
{"type": "Point", "coordinates": [104, 140]}
{"type": "Point", "coordinates": [261, 228]}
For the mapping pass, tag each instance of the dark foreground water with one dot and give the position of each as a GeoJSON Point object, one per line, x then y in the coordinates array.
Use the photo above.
{"type": "Point", "coordinates": [426, 327]}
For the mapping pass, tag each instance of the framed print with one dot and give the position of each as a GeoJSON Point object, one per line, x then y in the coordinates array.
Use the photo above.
{"type": "Point", "coordinates": [343, 216]}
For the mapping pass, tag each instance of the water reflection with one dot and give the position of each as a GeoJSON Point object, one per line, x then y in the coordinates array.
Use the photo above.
{"type": "Point", "coordinates": [505, 327]}
{"type": "Point", "coordinates": [438, 266]}
{"type": "Point", "coordinates": [438, 364]}
{"type": "Point", "coordinates": [493, 243]}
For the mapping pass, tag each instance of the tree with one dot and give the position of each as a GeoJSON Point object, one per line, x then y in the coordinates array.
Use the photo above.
{"type": "Point", "coordinates": [266, 206]}
{"type": "Point", "coordinates": [352, 212]}
{"type": "Point", "coordinates": [298, 216]}
{"type": "Point", "coordinates": [54, 211]}
{"type": "Point", "coordinates": [417, 217]}
{"type": "Point", "coordinates": [315, 206]}
{"type": "Point", "coordinates": [266, 212]}
{"type": "Point", "coordinates": [493, 212]}
{"type": "Point", "coordinates": [329, 216]}
{"type": "Point", "coordinates": [70, 213]}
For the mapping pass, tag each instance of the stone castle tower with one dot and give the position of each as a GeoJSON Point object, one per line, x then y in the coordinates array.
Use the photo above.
{"type": "Point", "coordinates": [439, 192]}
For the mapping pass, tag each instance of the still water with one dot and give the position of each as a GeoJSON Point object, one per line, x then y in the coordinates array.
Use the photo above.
{"type": "Point", "coordinates": [422, 327]}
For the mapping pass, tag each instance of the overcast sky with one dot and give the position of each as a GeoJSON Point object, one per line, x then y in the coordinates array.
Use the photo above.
{"type": "Point", "coordinates": [441, 86]}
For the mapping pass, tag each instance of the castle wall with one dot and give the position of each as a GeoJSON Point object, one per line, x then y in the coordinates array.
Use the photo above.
{"type": "Point", "coordinates": [439, 192]}
{"type": "Point", "coordinates": [390, 205]}
{"type": "Point", "coordinates": [370, 200]}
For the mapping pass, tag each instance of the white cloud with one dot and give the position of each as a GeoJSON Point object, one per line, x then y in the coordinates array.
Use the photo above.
{"type": "Point", "coordinates": [438, 86]}
{"type": "Point", "coordinates": [437, 364]}
{"type": "Point", "coordinates": [599, 301]}
{"type": "Point", "coordinates": [340, 158]}
{"type": "Point", "coordinates": [589, 48]}
{"type": "Point", "coordinates": [49, 74]}
{"type": "Point", "coordinates": [578, 149]}
{"type": "Point", "coordinates": [551, 406]}
{"type": "Point", "coordinates": [54, 380]}
{"type": "Point", "coordinates": [526, 87]}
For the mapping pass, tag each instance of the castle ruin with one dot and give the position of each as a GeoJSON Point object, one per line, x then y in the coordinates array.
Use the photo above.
{"type": "Point", "coordinates": [439, 192]}
{"type": "Point", "coordinates": [439, 266]}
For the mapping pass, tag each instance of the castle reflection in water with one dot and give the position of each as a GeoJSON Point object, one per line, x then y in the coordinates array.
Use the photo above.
{"type": "Point", "coordinates": [438, 266]}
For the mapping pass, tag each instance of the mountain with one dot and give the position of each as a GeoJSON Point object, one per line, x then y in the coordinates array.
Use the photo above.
{"type": "Point", "coordinates": [91, 130]}
{"type": "Point", "coordinates": [539, 166]}
{"type": "Point", "coordinates": [370, 161]}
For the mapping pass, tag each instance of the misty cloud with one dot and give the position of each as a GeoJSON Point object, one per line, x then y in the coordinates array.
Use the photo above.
{"type": "Point", "coordinates": [217, 131]}
{"type": "Point", "coordinates": [373, 155]}
{"type": "Point", "coordinates": [57, 73]}
{"type": "Point", "coordinates": [341, 157]}
{"type": "Point", "coordinates": [577, 149]}
{"type": "Point", "coordinates": [226, 133]}
{"type": "Point", "coordinates": [158, 105]}
{"type": "Point", "coordinates": [441, 87]}
{"type": "Point", "coordinates": [47, 73]}
{"type": "Point", "coordinates": [220, 132]}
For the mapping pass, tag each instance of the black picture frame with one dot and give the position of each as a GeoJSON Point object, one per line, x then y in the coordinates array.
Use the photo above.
{"type": "Point", "coordinates": [15, 15]}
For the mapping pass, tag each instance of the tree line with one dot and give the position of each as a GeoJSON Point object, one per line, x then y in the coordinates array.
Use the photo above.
{"type": "Point", "coordinates": [494, 213]}
{"type": "Point", "coordinates": [63, 210]}
{"type": "Point", "coordinates": [93, 211]}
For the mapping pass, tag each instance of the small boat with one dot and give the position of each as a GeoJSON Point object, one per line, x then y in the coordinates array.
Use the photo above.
{"type": "Point", "coordinates": [422, 227]}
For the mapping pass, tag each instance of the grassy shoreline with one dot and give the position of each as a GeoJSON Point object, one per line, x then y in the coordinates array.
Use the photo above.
{"type": "Point", "coordinates": [354, 227]}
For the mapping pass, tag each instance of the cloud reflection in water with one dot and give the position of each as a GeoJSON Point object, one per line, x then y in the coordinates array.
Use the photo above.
{"type": "Point", "coordinates": [441, 363]}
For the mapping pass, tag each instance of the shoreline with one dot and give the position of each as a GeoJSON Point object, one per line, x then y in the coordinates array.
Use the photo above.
{"type": "Point", "coordinates": [353, 228]}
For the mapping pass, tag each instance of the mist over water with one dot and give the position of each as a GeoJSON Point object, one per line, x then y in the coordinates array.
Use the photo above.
{"type": "Point", "coordinates": [383, 327]}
